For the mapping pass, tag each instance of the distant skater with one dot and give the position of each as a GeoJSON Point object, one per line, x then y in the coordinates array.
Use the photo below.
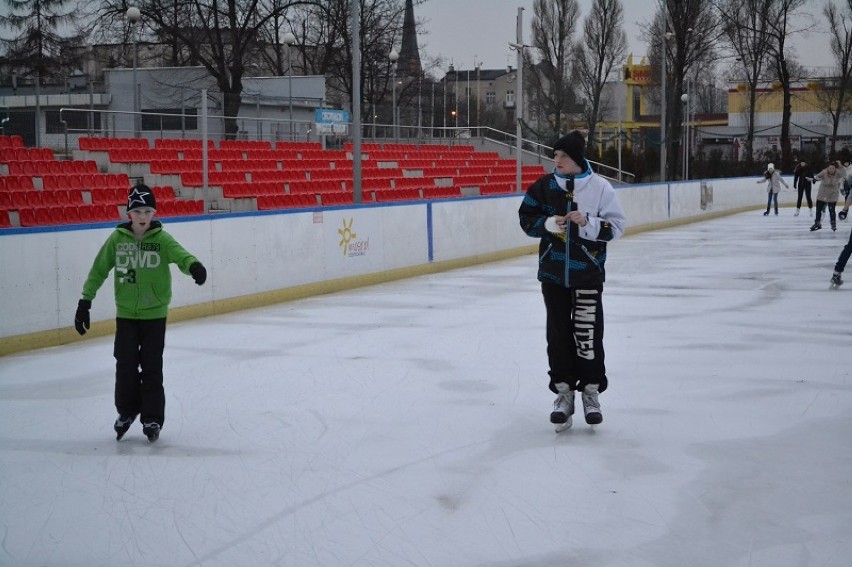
{"type": "Point", "coordinates": [846, 192]}
{"type": "Point", "coordinates": [836, 278]}
{"type": "Point", "coordinates": [803, 178]}
{"type": "Point", "coordinates": [773, 176]}
{"type": "Point", "coordinates": [831, 180]}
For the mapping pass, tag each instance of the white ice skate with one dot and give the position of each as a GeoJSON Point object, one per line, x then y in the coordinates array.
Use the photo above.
{"type": "Point", "coordinates": [591, 406]}
{"type": "Point", "coordinates": [563, 408]}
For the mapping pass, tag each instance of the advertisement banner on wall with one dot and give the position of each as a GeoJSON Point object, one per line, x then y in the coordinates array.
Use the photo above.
{"type": "Point", "coordinates": [331, 121]}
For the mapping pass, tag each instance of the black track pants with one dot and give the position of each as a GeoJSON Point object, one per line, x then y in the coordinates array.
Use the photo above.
{"type": "Point", "coordinates": [138, 355]}
{"type": "Point", "coordinates": [575, 329]}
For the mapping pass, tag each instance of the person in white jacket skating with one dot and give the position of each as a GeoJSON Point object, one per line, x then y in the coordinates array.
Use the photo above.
{"type": "Point", "coordinates": [773, 176]}
{"type": "Point", "coordinates": [575, 213]}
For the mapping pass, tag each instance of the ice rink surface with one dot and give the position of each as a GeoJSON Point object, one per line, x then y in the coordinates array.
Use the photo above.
{"type": "Point", "coordinates": [407, 424]}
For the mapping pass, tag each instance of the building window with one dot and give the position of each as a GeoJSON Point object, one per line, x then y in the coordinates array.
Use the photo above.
{"type": "Point", "coordinates": [77, 120]}
{"type": "Point", "coordinates": [490, 98]}
{"type": "Point", "coordinates": [161, 119]}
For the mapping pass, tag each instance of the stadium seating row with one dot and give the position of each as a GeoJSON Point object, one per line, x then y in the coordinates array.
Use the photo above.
{"type": "Point", "coordinates": [12, 200]}
{"type": "Point", "coordinates": [13, 141]}
{"type": "Point", "coordinates": [49, 167]}
{"type": "Point", "coordinates": [25, 154]}
{"type": "Point", "coordinates": [47, 215]}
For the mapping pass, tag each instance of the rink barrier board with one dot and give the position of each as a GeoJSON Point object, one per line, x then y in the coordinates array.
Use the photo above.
{"type": "Point", "coordinates": [255, 252]}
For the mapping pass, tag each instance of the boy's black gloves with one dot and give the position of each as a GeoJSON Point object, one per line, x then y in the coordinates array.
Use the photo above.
{"type": "Point", "coordinates": [81, 318]}
{"type": "Point", "coordinates": [198, 273]}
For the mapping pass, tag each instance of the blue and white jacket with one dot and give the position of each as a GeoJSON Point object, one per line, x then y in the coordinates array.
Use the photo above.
{"type": "Point", "coordinates": [574, 258]}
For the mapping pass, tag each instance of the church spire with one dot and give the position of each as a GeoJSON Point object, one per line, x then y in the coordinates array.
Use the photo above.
{"type": "Point", "coordinates": [409, 56]}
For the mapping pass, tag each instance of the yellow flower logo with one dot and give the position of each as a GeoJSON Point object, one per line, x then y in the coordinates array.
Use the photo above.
{"type": "Point", "coordinates": [346, 234]}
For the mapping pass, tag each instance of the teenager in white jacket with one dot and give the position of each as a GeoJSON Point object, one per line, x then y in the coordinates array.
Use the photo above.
{"type": "Point", "coordinates": [575, 213]}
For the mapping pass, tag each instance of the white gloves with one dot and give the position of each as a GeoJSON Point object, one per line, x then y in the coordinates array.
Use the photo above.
{"type": "Point", "coordinates": [551, 226]}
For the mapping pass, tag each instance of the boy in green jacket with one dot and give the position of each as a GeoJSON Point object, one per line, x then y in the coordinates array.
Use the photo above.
{"type": "Point", "coordinates": [140, 251]}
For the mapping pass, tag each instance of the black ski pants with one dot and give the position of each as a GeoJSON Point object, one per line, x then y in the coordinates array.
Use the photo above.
{"type": "Point", "coordinates": [138, 352]}
{"type": "Point", "coordinates": [820, 206]}
{"type": "Point", "coordinates": [844, 255]}
{"type": "Point", "coordinates": [575, 329]}
{"type": "Point", "coordinates": [804, 189]}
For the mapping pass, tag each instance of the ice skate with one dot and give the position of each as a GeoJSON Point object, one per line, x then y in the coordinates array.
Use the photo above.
{"type": "Point", "coordinates": [151, 431]}
{"type": "Point", "coordinates": [766, 214]}
{"type": "Point", "coordinates": [591, 406]}
{"type": "Point", "coordinates": [843, 214]}
{"type": "Point", "coordinates": [563, 408]}
{"type": "Point", "coordinates": [796, 213]}
{"type": "Point", "coordinates": [816, 226]}
{"type": "Point", "coordinates": [810, 212]}
{"type": "Point", "coordinates": [836, 281]}
{"type": "Point", "coordinates": [122, 425]}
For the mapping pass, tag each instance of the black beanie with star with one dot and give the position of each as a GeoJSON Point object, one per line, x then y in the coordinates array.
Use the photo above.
{"type": "Point", "coordinates": [141, 196]}
{"type": "Point", "coordinates": [574, 145]}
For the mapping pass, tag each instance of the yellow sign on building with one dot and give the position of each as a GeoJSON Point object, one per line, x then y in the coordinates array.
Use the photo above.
{"type": "Point", "coordinates": [638, 74]}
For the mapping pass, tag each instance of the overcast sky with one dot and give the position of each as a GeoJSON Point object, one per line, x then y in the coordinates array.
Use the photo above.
{"type": "Point", "coordinates": [465, 31]}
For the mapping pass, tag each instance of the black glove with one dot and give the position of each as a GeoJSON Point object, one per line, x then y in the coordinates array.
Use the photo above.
{"type": "Point", "coordinates": [81, 318]}
{"type": "Point", "coordinates": [198, 273]}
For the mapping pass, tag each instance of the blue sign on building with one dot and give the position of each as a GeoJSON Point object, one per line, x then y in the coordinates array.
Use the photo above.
{"type": "Point", "coordinates": [331, 116]}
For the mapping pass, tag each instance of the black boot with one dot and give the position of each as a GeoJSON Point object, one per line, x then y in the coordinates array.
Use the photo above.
{"type": "Point", "coordinates": [151, 431]}
{"type": "Point", "coordinates": [122, 425]}
{"type": "Point", "coordinates": [816, 226]}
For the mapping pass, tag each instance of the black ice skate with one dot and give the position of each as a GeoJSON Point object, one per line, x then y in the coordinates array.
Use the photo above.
{"type": "Point", "coordinates": [151, 431]}
{"type": "Point", "coordinates": [122, 425]}
{"type": "Point", "coordinates": [842, 214]}
{"type": "Point", "coordinates": [816, 226]}
{"type": "Point", "coordinates": [836, 280]}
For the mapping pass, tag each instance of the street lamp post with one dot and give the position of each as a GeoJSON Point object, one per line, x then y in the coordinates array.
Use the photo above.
{"type": "Point", "coordinates": [394, 57]}
{"type": "Point", "coordinates": [444, 109]}
{"type": "Point", "coordinates": [468, 97]}
{"type": "Point", "coordinates": [663, 140]}
{"type": "Point", "coordinates": [519, 98]}
{"type": "Point", "coordinates": [622, 94]}
{"type": "Point", "coordinates": [133, 16]}
{"type": "Point", "coordinates": [684, 98]}
{"type": "Point", "coordinates": [478, 103]}
{"type": "Point", "coordinates": [289, 39]}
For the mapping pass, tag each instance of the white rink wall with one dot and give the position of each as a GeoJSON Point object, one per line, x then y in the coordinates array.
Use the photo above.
{"type": "Point", "coordinates": [43, 269]}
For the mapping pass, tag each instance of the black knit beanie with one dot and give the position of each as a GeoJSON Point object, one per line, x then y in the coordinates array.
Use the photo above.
{"type": "Point", "coordinates": [141, 196]}
{"type": "Point", "coordinates": [574, 145]}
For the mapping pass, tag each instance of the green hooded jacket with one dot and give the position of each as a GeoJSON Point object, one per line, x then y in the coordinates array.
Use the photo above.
{"type": "Point", "coordinates": [143, 280]}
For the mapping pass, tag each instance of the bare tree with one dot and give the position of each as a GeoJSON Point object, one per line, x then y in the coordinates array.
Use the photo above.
{"type": "Point", "coordinates": [780, 18]}
{"type": "Point", "coordinates": [602, 47]}
{"type": "Point", "coordinates": [840, 26]}
{"type": "Point", "coordinates": [685, 33]}
{"type": "Point", "coordinates": [36, 47]}
{"type": "Point", "coordinates": [220, 35]}
{"type": "Point", "coordinates": [745, 28]}
{"type": "Point", "coordinates": [553, 26]}
{"type": "Point", "coordinates": [324, 40]}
